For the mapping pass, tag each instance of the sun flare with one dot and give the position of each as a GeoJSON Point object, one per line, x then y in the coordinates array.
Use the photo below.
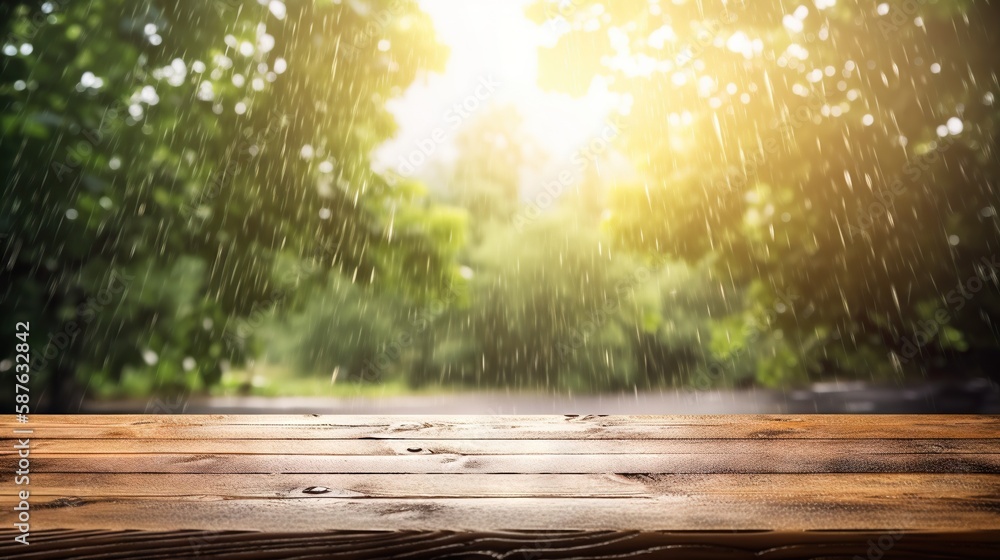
{"type": "Point", "coordinates": [491, 41]}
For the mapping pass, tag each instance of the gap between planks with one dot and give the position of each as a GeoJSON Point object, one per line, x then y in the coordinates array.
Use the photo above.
{"type": "Point", "coordinates": [511, 427]}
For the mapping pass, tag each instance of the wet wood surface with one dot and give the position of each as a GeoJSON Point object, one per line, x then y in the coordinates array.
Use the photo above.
{"type": "Point", "coordinates": [516, 487]}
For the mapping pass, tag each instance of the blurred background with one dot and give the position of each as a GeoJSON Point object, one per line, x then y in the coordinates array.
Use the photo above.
{"type": "Point", "coordinates": [520, 206]}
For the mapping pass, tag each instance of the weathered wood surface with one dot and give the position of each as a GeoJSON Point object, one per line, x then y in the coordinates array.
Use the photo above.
{"type": "Point", "coordinates": [314, 426]}
{"type": "Point", "coordinates": [515, 487]}
{"type": "Point", "coordinates": [447, 545]}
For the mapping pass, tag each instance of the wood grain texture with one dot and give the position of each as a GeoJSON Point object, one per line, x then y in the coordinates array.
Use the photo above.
{"type": "Point", "coordinates": [737, 426]}
{"type": "Point", "coordinates": [549, 545]}
{"type": "Point", "coordinates": [637, 463]}
{"type": "Point", "coordinates": [512, 487]}
{"type": "Point", "coordinates": [48, 487]}
{"type": "Point", "coordinates": [666, 513]}
{"type": "Point", "coordinates": [408, 447]}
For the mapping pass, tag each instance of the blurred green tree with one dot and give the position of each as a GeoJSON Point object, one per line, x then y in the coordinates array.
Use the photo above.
{"type": "Point", "coordinates": [837, 160]}
{"type": "Point", "coordinates": [174, 170]}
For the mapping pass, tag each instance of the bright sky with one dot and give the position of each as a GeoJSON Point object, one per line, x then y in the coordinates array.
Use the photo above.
{"type": "Point", "coordinates": [489, 39]}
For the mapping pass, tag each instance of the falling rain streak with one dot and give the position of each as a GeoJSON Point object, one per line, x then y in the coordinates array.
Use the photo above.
{"type": "Point", "coordinates": [341, 199]}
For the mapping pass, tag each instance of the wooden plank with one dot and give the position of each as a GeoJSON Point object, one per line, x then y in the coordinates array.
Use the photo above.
{"type": "Point", "coordinates": [853, 421]}
{"type": "Point", "coordinates": [678, 463]}
{"type": "Point", "coordinates": [849, 488]}
{"type": "Point", "coordinates": [775, 486]}
{"type": "Point", "coordinates": [380, 447]}
{"type": "Point", "coordinates": [678, 512]}
{"type": "Point", "coordinates": [509, 427]}
{"type": "Point", "coordinates": [410, 545]}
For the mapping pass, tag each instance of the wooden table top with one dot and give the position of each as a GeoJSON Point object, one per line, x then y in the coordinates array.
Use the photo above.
{"type": "Point", "coordinates": [517, 487]}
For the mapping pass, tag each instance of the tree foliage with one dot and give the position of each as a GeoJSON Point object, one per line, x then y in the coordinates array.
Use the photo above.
{"type": "Point", "coordinates": [223, 144]}
{"type": "Point", "coordinates": [831, 154]}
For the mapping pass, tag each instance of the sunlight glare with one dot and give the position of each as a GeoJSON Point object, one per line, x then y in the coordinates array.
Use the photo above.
{"type": "Point", "coordinates": [495, 41]}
